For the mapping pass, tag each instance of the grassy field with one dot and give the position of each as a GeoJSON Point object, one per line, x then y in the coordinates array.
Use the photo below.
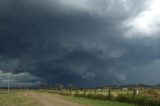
{"type": "Point", "coordinates": [21, 98]}
{"type": "Point", "coordinates": [102, 91]}
{"type": "Point", "coordinates": [15, 98]}
{"type": "Point", "coordinates": [92, 102]}
{"type": "Point", "coordinates": [145, 92]}
{"type": "Point", "coordinates": [144, 97]}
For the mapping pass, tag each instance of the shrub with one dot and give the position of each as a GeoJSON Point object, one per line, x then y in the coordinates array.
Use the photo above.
{"type": "Point", "coordinates": [96, 96]}
{"type": "Point", "coordinates": [138, 100]}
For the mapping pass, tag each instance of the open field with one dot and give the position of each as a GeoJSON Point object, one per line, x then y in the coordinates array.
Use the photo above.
{"type": "Point", "coordinates": [154, 93]}
{"type": "Point", "coordinates": [93, 102]}
{"type": "Point", "coordinates": [34, 98]}
{"type": "Point", "coordinates": [142, 97]}
{"type": "Point", "coordinates": [146, 97]}
{"type": "Point", "coordinates": [16, 98]}
{"type": "Point", "coordinates": [30, 98]}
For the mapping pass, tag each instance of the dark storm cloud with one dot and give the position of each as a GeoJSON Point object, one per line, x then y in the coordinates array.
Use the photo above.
{"type": "Point", "coordinates": [68, 41]}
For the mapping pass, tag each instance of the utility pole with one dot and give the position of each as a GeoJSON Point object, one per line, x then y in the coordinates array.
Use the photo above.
{"type": "Point", "coordinates": [8, 84]}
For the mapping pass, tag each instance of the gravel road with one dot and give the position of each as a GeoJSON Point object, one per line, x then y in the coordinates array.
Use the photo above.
{"type": "Point", "coordinates": [51, 100]}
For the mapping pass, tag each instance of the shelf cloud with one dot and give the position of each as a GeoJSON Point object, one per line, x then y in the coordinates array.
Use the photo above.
{"type": "Point", "coordinates": [80, 42]}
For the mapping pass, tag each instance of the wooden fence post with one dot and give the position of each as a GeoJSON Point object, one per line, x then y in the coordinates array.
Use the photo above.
{"type": "Point", "coordinates": [66, 91]}
{"type": "Point", "coordinates": [76, 91]}
{"type": "Point", "coordinates": [84, 92]}
{"type": "Point", "coordinates": [109, 92]}
{"type": "Point", "coordinates": [134, 92]}
{"type": "Point", "coordinates": [70, 91]}
{"type": "Point", "coordinates": [95, 91]}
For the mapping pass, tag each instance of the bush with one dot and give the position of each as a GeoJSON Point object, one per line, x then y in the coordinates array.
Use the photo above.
{"type": "Point", "coordinates": [94, 96]}
{"type": "Point", "coordinates": [126, 98]}
{"type": "Point", "coordinates": [138, 100]}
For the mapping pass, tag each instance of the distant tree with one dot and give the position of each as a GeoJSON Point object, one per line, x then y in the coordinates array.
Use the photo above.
{"type": "Point", "coordinates": [43, 85]}
{"type": "Point", "coordinates": [71, 87]}
{"type": "Point", "coordinates": [61, 87]}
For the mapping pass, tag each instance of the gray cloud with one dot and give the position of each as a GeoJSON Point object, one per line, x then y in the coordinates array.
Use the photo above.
{"type": "Point", "coordinates": [69, 41]}
{"type": "Point", "coordinates": [21, 79]}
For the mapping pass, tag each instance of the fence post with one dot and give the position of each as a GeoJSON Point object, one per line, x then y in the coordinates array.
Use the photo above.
{"type": "Point", "coordinates": [134, 92]}
{"type": "Point", "coordinates": [66, 91]}
{"type": "Point", "coordinates": [109, 92]}
{"type": "Point", "coordinates": [70, 91]}
{"type": "Point", "coordinates": [95, 91]}
{"type": "Point", "coordinates": [137, 92]}
{"type": "Point", "coordinates": [61, 88]}
{"type": "Point", "coordinates": [84, 92]}
{"type": "Point", "coordinates": [76, 91]}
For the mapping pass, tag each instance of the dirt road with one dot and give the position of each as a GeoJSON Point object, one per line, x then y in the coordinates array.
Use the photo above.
{"type": "Point", "coordinates": [50, 100]}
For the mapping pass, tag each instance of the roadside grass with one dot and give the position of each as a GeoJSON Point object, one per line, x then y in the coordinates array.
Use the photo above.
{"type": "Point", "coordinates": [93, 102]}
{"type": "Point", "coordinates": [146, 97]}
{"type": "Point", "coordinates": [15, 99]}
{"type": "Point", "coordinates": [89, 101]}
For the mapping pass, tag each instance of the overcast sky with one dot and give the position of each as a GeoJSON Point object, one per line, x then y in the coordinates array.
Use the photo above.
{"type": "Point", "coordinates": [80, 42]}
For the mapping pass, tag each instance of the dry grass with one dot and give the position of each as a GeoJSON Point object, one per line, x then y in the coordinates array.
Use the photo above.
{"type": "Point", "coordinates": [15, 98]}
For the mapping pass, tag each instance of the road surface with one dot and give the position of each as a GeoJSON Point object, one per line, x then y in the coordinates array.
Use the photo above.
{"type": "Point", "coordinates": [50, 100]}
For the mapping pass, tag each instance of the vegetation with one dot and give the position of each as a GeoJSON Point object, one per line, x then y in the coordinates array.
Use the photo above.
{"type": "Point", "coordinates": [146, 97]}
{"type": "Point", "coordinates": [94, 97]}
{"type": "Point", "coordinates": [139, 100]}
{"type": "Point", "coordinates": [15, 99]}
{"type": "Point", "coordinates": [93, 102]}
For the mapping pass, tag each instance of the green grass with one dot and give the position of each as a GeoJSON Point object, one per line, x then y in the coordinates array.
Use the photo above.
{"type": "Point", "coordinates": [16, 99]}
{"type": "Point", "coordinates": [92, 102]}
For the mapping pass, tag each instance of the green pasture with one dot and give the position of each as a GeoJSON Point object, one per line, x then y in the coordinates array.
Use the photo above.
{"type": "Point", "coordinates": [93, 102]}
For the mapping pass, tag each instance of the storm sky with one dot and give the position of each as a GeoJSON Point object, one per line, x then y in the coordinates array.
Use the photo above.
{"type": "Point", "coordinates": [80, 42]}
